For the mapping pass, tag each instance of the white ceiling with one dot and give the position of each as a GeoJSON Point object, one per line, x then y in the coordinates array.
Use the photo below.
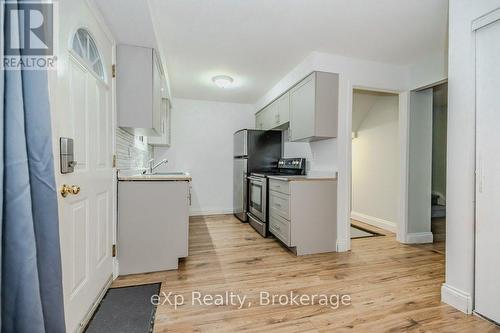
{"type": "Point", "coordinates": [258, 41]}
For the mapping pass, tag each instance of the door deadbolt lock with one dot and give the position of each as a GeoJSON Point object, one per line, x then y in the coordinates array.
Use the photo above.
{"type": "Point", "coordinates": [67, 157]}
{"type": "Point", "coordinates": [69, 189]}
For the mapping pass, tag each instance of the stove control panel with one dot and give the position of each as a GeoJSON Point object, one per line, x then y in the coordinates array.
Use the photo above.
{"type": "Point", "coordinates": [292, 163]}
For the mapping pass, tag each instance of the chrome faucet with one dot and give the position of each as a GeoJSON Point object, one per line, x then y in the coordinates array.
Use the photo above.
{"type": "Point", "coordinates": [152, 166]}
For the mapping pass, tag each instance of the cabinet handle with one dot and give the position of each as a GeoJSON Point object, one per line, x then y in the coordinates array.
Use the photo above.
{"type": "Point", "coordinates": [277, 204]}
{"type": "Point", "coordinates": [480, 174]}
{"type": "Point", "coordinates": [277, 227]}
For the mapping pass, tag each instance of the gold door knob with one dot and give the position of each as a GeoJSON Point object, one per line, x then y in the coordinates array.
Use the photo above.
{"type": "Point", "coordinates": [75, 189]}
{"type": "Point", "coordinates": [67, 189]}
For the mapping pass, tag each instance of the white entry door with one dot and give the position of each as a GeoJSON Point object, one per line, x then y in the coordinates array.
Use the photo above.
{"type": "Point", "coordinates": [487, 282]}
{"type": "Point", "coordinates": [82, 101]}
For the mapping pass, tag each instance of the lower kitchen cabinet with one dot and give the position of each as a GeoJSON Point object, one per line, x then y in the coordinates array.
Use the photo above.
{"type": "Point", "coordinates": [303, 214]}
{"type": "Point", "coordinates": [153, 225]}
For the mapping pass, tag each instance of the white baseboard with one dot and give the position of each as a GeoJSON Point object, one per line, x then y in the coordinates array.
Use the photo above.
{"type": "Point", "coordinates": [419, 238]}
{"type": "Point", "coordinates": [375, 221]}
{"type": "Point", "coordinates": [223, 211]}
{"type": "Point", "coordinates": [343, 245]}
{"type": "Point", "coordinates": [457, 298]}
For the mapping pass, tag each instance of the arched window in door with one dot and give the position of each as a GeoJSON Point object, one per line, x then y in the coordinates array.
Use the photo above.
{"type": "Point", "coordinates": [85, 47]}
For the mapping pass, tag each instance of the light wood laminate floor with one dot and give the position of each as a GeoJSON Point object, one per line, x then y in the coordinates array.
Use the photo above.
{"type": "Point", "coordinates": [394, 287]}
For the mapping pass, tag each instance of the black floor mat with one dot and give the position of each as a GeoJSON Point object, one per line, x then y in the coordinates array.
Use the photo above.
{"type": "Point", "coordinates": [359, 232]}
{"type": "Point", "coordinates": [125, 310]}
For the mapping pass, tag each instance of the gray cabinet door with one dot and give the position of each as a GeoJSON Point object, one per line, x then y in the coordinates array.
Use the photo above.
{"type": "Point", "coordinates": [267, 117]}
{"type": "Point", "coordinates": [259, 120]}
{"type": "Point", "coordinates": [165, 129]}
{"type": "Point", "coordinates": [134, 87]}
{"type": "Point", "coordinates": [153, 227]}
{"type": "Point", "coordinates": [138, 90]}
{"type": "Point", "coordinates": [284, 109]}
{"type": "Point", "coordinates": [157, 96]}
{"type": "Point", "coordinates": [302, 109]}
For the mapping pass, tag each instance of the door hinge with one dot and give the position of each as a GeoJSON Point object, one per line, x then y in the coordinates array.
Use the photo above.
{"type": "Point", "coordinates": [113, 71]}
{"type": "Point", "coordinates": [113, 250]}
{"type": "Point", "coordinates": [113, 163]}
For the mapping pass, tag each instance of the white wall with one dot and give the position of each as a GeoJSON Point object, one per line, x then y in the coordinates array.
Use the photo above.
{"type": "Point", "coordinates": [459, 286]}
{"type": "Point", "coordinates": [375, 159]}
{"type": "Point", "coordinates": [420, 168]}
{"type": "Point", "coordinates": [202, 144]}
{"type": "Point", "coordinates": [429, 70]}
{"type": "Point", "coordinates": [320, 155]}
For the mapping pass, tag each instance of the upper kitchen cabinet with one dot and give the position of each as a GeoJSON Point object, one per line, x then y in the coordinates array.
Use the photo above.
{"type": "Point", "coordinates": [139, 93]}
{"type": "Point", "coordinates": [283, 109]}
{"type": "Point", "coordinates": [266, 118]}
{"type": "Point", "coordinates": [259, 120]}
{"type": "Point", "coordinates": [314, 107]}
{"type": "Point", "coordinates": [275, 115]}
{"type": "Point", "coordinates": [166, 126]}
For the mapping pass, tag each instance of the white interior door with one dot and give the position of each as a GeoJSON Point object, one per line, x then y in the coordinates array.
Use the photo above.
{"type": "Point", "coordinates": [83, 110]}
{"type": "Point", "coordinates": [487, 282]}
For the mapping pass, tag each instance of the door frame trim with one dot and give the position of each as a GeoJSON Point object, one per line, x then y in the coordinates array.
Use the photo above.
{"type": "Point", "coordinates": [111, 85]}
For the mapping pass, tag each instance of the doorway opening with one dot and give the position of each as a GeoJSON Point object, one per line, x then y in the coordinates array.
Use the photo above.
{"type": "Point", "coordinates": [375, 184]}
{"type": "Point", "coordinates": [427, 166]}
{"type": "Point", "coordinates": [439, 143]}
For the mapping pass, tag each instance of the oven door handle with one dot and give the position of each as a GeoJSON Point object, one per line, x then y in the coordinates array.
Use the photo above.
{"type": "Point", "coordinates": [258, 179]}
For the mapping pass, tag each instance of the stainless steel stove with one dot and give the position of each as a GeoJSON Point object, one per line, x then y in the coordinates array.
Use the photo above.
{"type": "Point", "coordinates": [258, 191]}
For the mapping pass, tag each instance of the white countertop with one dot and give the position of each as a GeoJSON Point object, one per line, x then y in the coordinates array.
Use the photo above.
{"type": "Point", "coordinates": [137, 176]}
{"type": "Point", "coordinates": [305, 178]}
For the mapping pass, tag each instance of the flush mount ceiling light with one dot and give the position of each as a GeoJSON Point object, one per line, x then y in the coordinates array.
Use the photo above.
{"type": "Point", "coordinates": [222, 81]}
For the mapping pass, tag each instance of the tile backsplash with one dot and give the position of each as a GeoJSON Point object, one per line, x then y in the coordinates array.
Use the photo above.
{"type": "Point", "coordinates": [131, 152]}
{"type": "Point", "coordinates": [321, 155]}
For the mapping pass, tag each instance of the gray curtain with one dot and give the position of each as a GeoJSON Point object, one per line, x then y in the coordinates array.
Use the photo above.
{"type": "Point", "coordinates": [31, 279]}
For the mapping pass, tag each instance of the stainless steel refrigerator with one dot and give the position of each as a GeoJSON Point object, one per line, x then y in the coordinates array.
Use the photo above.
{"type": "Point", "coordinates": [254, 150]}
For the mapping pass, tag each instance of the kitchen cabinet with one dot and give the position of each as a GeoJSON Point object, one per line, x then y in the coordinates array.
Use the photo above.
{"type": "Point", "coordinates": [266, 118]}
{"type": "Point", "coordinates": [153, 224]}
{"type": "Point", "coordinates": [166, 126]}
{"type": "Point", "coordinates": [275, 115]}
{"type": "Point", "coordinates": [139, 83]}
{"type": "Point", "coordinates": [259, 120]}
{"type": "Point", "coordinates": [309, 109]}
{"type": "Point", "coordinates": [303, 214]}
{"type": "Point", "coordinates": [314, 107]}
{"type": "Point", "coordinates": [283, 109]}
